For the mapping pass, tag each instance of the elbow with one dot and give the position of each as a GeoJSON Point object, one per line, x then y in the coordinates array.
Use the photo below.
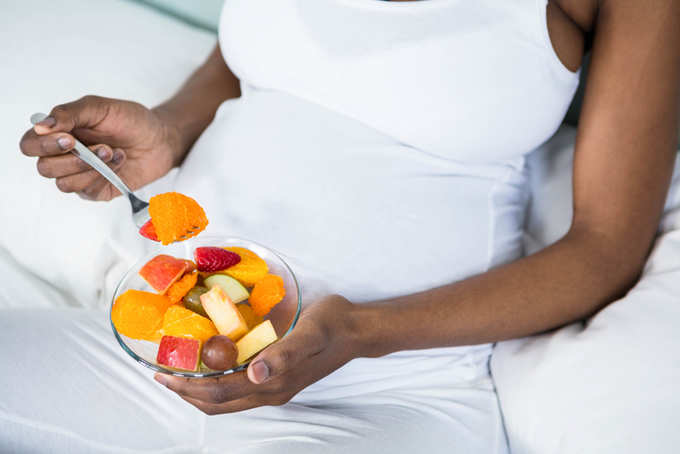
{"type": "Point", "coordinates": [615, 261]}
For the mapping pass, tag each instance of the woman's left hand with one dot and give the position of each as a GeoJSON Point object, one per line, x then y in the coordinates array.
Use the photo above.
{"type": "Point", "coordinates": [320, 343]}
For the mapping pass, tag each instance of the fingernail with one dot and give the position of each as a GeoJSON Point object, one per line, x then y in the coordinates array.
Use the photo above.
{"type": "Point", "coordinates": [48, 122]}
{"type": "Point", "coordinates": [103, 153]}
{"type": "Point", "coordinates": [160, 379]}
{"type": "Point", "coordinates": [260, 371]}
{"type": "Point", "coordinates": [64, 143]}
{"type": "Point", "coordinates": [117, 156]}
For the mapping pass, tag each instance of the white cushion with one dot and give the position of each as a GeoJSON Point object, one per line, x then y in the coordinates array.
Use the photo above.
{"type": "Point", "coordinates": [608, 385]}
{"type": "Point", "coordinates": [55, 52]}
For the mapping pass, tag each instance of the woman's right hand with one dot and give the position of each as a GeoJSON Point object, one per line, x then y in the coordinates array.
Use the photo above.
{"type": "Point", "coordinates": [139, 144]}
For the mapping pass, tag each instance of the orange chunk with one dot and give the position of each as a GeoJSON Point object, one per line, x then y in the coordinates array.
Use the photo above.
{"type": "Point", "coordinates": [249, 270]}
{"type": "Point", "coordinates": [180, 288]}
{"type": "Point", "coordinates": [191, 266]}
{"type": "Point", "coordinates": [181, 322]}
{"type": "Point", "coordinates": [139, 315]}
{"type": "Point", "coordinates": [176, 217]}
{"type": "Point", "coordinates": [252, 319]}
{"type": "Point", "coordinates": [266, 294]}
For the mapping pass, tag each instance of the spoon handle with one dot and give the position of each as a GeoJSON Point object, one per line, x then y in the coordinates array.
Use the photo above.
{"type": "Point", "coordinates": [97, 164]}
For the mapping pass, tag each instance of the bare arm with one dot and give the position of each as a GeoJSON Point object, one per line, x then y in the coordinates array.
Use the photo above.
{"type": "Point", "coordinates": [193, 107]}
{"type": "Point", "coordinates": [138, 143]}
{"type": "Point", "coordinates": [624, 157]}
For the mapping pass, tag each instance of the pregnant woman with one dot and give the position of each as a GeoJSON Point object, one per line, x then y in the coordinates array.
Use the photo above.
{"type": "Point", "coordinates": [380, 147]}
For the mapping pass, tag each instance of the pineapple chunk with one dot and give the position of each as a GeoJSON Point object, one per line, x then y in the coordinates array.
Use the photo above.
{"type": "Point", "coordinates": [256, 340]}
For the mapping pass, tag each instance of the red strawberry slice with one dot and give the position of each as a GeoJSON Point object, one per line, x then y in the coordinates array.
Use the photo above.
{"type": "Point", "coordinates": [148, 231]}
{"type": "Point", "coordinates": [211, 259]}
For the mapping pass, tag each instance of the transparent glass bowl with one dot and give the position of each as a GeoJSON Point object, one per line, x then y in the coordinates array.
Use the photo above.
{"type": "Point", "coordinates": [284, 316]}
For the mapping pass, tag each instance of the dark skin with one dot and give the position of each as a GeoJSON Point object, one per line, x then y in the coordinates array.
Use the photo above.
{"type": "Point", "coordinates": [625, 149]}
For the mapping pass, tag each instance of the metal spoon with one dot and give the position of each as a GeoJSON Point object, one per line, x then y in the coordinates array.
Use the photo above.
{"type": "Point", "coordinates": [140, 208]}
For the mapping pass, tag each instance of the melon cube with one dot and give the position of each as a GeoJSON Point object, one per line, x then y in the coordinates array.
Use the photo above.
{"type": "Point", "coordinates": [255, 341]}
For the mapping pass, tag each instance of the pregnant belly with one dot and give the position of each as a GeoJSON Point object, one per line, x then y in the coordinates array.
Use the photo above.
{"type": "Point", "coordinates": [352, 210]}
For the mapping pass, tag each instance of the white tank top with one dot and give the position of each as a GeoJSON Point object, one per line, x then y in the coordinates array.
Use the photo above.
{"type": "Point", "coordinates": [467, 80]}
{"type": "Point", "coordinates": [379, 146]}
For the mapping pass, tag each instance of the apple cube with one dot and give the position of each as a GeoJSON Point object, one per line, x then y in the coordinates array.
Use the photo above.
{"type": "Point", "coordinates": [236, 291]}
{"type": "Point", "coordinates": [255, 341]}
{"type": "Point", "coordinates": [224, 313]}
{"type": "Point", "coordinates": [179, 353]}
{"type": "Point", "coordinates": [162, 271]}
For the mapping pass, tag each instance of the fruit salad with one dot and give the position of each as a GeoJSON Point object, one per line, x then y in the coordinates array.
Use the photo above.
{"type": "Point", "coordinates": [205, 314]}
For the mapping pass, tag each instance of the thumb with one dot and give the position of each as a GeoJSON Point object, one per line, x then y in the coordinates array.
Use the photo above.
{"type": "Point", "coordinates": [85, 112]}
{"type": "Point", "coordinates": [284, 355]}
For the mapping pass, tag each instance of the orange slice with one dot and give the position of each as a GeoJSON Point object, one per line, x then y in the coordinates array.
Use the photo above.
{"type": "Point", "coordinates": [180, 288]}
{"type": "Point", "coordinates": [181, 322]}
{"type": "Point", "coordinates": [176, 217]}
{"type": "Point", "coordinates": [249, 270]}
{"type": "Point", "coordinates": [139, 315]}
{"type": "Point", "coordinates": [266, 294]}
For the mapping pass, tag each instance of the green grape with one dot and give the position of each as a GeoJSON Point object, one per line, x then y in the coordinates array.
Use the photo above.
{"type": "Point", "coordinates": [192, 300]}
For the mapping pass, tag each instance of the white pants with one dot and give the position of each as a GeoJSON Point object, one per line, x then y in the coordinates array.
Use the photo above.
{"type": "Point", "coordinates": [67, 387]}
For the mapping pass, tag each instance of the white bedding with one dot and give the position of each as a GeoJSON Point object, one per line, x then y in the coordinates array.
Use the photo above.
{"type": "Point", "coordinates": [608, 386]}
{"type": "Point", "coordinates": [54, 52]}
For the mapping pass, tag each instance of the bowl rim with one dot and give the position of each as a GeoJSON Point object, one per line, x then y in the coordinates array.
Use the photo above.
{"type": "Point", "coordinates": [189, 374]}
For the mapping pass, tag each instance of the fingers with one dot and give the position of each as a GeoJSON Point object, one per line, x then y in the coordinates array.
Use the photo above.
{"type": "Point", "coordinates": [49, 145]}
{"type": "Point", "coordinates": [211, 390]}
{"type": "Point", "coordinates": [68, 164]}
{"type": "Point", "coordinates": [90, 184]}
{"type": "Point", "coordinates": [51, 136]}
{"type": "Point", "coordinates": [234, 406]}
{"type": "Point", "coordinates": [86, 112]}
{"type": "Point", "coordinates": [279, 358]}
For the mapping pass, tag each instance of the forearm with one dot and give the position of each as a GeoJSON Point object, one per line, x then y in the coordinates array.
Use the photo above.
{"type": "Point", "coordinates": [565, 282]}
{"type": "Point", "coordinates": [193, 107]}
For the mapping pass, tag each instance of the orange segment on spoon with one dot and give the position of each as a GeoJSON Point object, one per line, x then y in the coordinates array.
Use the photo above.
{"type": "Point", "coordinates": [175, 217]}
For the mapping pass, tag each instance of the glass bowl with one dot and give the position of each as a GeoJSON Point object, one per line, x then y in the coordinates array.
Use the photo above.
{"type": "Point", "coordinates": [283, 316]}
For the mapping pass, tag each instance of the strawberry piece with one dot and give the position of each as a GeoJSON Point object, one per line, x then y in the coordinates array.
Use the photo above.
{"type": "Point", "coordinates": [148, 231]}
{"type": "Point", "coordinates": [211, 259]}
